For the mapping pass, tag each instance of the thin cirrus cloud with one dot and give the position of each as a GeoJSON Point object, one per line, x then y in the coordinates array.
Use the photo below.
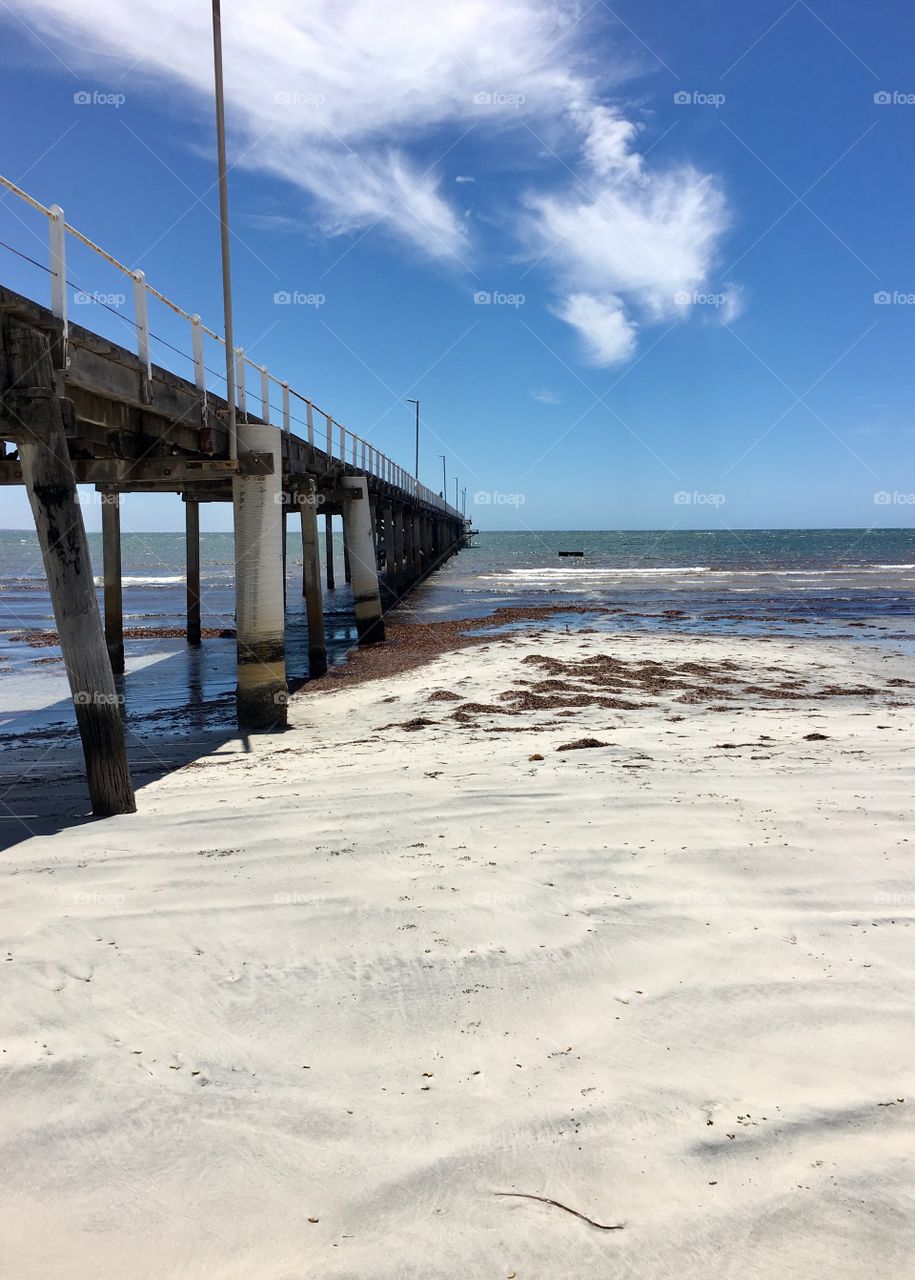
{"type": "Point", "coordinates": [337, 96]}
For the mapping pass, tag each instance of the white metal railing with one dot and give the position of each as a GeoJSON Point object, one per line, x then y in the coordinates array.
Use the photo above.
{"type": "Point", "coordinates": [337, 440]}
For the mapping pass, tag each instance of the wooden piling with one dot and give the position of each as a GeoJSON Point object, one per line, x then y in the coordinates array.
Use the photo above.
{"type": "Point", "coordinates": [417, 546]}
{"type": "Point", "coordinates": [358, 540]}
{"type": "Point", "coordinates": [285, 536]}
{"type": "Point", "coordinates": [390, 566]}
{"type": "Point", "coordinates": [262, 694]}
{"type": "Point", "coordinates": [428, 559]}
{"type": "Point", "coordinates": [311, 582]}
{"type": "Point", "coordinates": [112, 578]}
{"type": "Point", "coordinates": [31, 415]}
{"type": "Point", "coordinates": [378, 530]}
{"type": "Point", "coordinates": [400, 580]}
{"type": "Point", "coordinates": [192, 561]}
{"type": "Point", "coordinates": [408, 575]}
{"type": "Point", "coordinates": [329, 549]}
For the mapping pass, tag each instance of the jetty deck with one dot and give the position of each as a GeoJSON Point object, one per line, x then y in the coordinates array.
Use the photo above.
{"type": "Point", "coordinates": [77, 408]}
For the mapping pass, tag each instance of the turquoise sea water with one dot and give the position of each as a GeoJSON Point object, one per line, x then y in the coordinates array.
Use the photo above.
{"type": "Point", "coordinates": [803, 581]}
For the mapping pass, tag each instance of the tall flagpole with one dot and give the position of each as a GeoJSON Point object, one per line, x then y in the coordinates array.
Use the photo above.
{"type": "Point", "coordinates": [224, 227]}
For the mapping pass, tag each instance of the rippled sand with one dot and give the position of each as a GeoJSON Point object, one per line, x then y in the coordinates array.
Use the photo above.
{"type": "Point", "coordinates": [326, 994]}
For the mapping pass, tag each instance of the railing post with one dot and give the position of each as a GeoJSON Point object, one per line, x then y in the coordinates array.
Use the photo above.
{"type": "Point", "coordinates": [265, 394]}
{"type": "Point", "coordinates": [141, 316]}
{"type": "Point", "coordinates": [240, 398]}
{"type": "Point", "coordinates": [200, 373]}
{"type": "Point", "coordinates": [342, 443]}
{"type": "Point", "coordinates": [309, 418]}
{"type": "Point", "coordinates": [287, 417]}
{"type": "Point", "coordinates": [58, 236]}
{"type": "Point", "coordinates": [330, 436]}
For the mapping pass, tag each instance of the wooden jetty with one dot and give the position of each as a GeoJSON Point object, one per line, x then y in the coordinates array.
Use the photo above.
{"type": "Point", "coordinates": [77, 408]}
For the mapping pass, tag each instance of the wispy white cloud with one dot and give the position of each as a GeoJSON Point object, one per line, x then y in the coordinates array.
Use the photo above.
{"type": "Point", "coordinates": [734, 302]}
{"type": "Point", "coordinates": [545, 396]}
{"type": "Point", "coordinates": [268, 221]}
{"type": "Point", "coordinates": [606, 331]}
{"type": "Point", "coordinates": [334, 92]}
{"type": "Point", "coordinates": [340, 98]}
{"type": "Point", "coordinates": [629, 245]}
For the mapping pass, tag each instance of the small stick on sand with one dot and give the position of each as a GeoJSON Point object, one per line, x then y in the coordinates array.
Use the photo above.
{"type": "Point", "coordinates": [526, 1195]}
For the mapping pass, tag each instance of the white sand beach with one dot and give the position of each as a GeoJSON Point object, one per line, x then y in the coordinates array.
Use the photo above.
{"type": "Point", "coordinates": [326, 995]}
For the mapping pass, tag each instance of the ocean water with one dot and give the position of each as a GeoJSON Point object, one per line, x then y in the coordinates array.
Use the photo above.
{"type": "Point", "coordinates": [807, 582]}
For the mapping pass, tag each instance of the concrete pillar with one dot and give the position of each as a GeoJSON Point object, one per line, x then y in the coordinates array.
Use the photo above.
{"type": "Point", "coordinates": [192, 559]}
{"type": "Point", "coordinates": [329, 549]}
{"type": "Point", "coordinates": [311, 582]}
{"type": "Point", "coordinates": [260, 616]}
{"type": "Point", "coordinates": [358, 540]}
{"type": "Point", "coordinates": [111, 571]}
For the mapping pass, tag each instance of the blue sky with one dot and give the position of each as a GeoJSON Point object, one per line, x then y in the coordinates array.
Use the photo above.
{"type": "Point", "coordinates": [682, 214]}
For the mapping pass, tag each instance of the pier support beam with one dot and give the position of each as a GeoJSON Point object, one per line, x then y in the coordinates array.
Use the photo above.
{"type": "Point", "coordinates": [429, 558]}
{"type": "Point", "coordinates": [406, 576]}
{"type": "Point", "coordinates": [390, 567]}
{"type": "Point", "coordinates": [378, 526]}
{"type": "Point", "coordinates": [347, 571]}
{"type": "Point", "coordinates": [399, 574]}
{"type": "Point", "coordinates": [192, 558]}
{"type": "Point", "coordinates": [259, 583]}
{"type": "Point", "coordinates": [329, 549]}
{"type": "Point", "coordinates": [311, 582]}
{"type": "Point", "coordinates": [33, 416]}
{"type": "Point", "coordinates": [111, 574]}
{"type": "Point", "coordinates": [285, 551]}
{"type": "Point", "coordinates": [417, 547]}
{"type": "Point", "coordinates": [359, 542]}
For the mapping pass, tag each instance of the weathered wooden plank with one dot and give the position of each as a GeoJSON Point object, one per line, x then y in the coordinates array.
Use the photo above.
{"type": "Point", "coordinates": [30, 400]}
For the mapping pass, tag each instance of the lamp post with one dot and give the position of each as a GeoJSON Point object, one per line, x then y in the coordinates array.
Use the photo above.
{"type": "Point", "coordinates": [444, 477]}
{"type": "Point", "coordinates": [416, 402]}
{"type": "Point", "coordinates": [224, 226]}
{"type": "Point", "coordinates": [456, 503]}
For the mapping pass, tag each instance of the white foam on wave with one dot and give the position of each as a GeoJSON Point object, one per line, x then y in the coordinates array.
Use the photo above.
{"type": "Point", "coordinates": [163, 580]}
{"type": "Point", "coordinates": [552, 575]}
